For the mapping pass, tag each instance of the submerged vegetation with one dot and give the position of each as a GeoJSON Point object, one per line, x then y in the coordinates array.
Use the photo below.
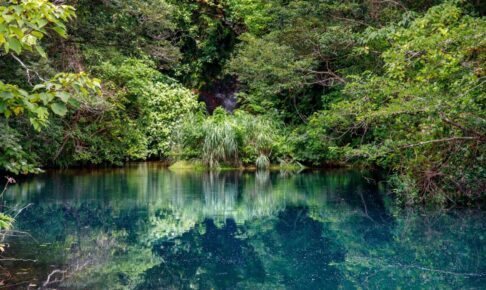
{"type": "Point", "coordinates": [396, 85]}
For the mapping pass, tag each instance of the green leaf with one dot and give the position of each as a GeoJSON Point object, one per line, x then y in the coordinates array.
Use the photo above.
{"type": "Point", "coordinates": [64, 96]}
{"type": "Point", "coordinates": [73, 102]}
{"type": "Point", "coordinates": [46, 98]}
{"type": "Point", "coordinates": [6, 95]}
{"type": "Point", "coordinates": [59, 109]}
{"type": "Point", "coordinates": [17, 31]}
{"type": "Point", "coordinates": [14, 44]}
{"type": "Point", "coordinates": [7, 18]}
{"type": "Point", "coordinates": [41, 51]}
{"type": "Point", "coordinates": [38, 87]}
{"type": "Point", "coordinates": [37, 34]}
{"type": "Point", "coordinates": [35, 123]}
{"type": "Point", "coordinates": [60, 31]}
{"type": "Point", "coordinates": [42, 22]}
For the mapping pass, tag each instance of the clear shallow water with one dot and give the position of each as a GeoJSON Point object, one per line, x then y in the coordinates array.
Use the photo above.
{"type": "Point", "coordinates": [145, 227]}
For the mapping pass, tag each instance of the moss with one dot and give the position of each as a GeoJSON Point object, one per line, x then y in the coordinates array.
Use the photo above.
{"type": "Point", "coordinates": [199, 165]}
{"type": "Point", "coordinates": [287, 167]}
{"type": "Point", "coordinates": [187, 165]}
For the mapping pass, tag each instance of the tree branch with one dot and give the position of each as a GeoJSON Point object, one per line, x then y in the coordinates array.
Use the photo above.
{"type": "Point", "coordinates": [27, 70]}
{"type": "Point", "coordinates": [464, 129]}
{"type": "Point", "coordinates": [450, 139]}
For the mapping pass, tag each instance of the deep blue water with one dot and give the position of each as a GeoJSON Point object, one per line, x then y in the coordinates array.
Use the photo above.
{"type": "Point", "coordinates": [146, 227]}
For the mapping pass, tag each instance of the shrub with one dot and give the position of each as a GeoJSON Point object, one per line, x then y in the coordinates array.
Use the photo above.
{"type": "Point", "coordinates": [155, 102]}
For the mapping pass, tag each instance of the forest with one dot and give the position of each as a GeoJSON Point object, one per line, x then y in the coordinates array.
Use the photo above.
{"type": "Point", "coordinates": [397, 86]}
{"type": "Point", "coordinates": [242, 144]}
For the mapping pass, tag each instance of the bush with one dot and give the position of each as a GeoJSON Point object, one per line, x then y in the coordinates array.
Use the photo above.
{"type": "Point", "coordinates": [165, 105]}
{"type": "Point", "coordinates": [155, 102]}
{"type": "Point", "coordinates": [13, 156]}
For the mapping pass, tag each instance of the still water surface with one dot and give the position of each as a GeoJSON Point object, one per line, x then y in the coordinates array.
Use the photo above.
{"type": "Point", "coordinates": [145, 227]}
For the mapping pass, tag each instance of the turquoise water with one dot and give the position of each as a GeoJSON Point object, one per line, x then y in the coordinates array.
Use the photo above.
{"type": "Point", "coordinates": [145, 227]}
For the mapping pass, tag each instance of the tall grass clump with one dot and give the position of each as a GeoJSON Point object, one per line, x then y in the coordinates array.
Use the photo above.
{"type": "Point", "coordinates": [228, 139]}
{"type": "Point", "coordinates": [262, 162]}
{"type": "Point", "coordinates": [220, 142]}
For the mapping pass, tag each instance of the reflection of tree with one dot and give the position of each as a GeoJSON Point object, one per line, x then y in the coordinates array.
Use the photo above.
{"type": "Point", "coordinates": [429, 250]}
{"type": "Point", "coordinates": [143, 227]}
{"type": "Point", "coordinates": [80, 241]}
{"type": "Point", "coordinates": [292, 251]}
{"type": "Point", "coordinates": [417, 250]}
{"type": "Point", "coordinates": [299, 253]}
{"type": "Point", "coordinates": [206, 257]}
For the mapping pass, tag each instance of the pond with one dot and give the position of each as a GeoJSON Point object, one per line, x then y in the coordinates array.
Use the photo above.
{"type": "Point", "coordinates": [146, 227]}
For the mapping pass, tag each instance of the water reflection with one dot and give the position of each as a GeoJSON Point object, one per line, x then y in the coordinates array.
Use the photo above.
{"type": "Point", "coordinates": [143, 227]}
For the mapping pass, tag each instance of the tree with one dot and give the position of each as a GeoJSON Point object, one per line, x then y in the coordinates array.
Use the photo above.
{"type": "Point", "coordinates": [294, 52]}
{"type": "Point", "coordinates": [424, 116]}
{"type": "Point", "coordinates": [24, 23]}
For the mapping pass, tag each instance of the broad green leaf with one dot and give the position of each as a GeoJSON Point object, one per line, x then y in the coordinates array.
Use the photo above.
{"type": "Point", "coordinates": [73, 102]}
{"type": "Point", "coordinates": [39, 86]}
{"type": "Point", "coordinates": [42, 22]}
{"type": "Point", "coordinates": [60, 31]}
{"type": "Point", "coordinates": [17, 31]}
{"type": "Point", "coordinates": [41, 51]}
{"type": "Point", "coordinates": [35, 123]}
{"type": "Point", "coordinates": [8, 18]}
{"type": "Point", "coordinates": [6, 95]}
{"type": "Point", "coordinates": [46, 98]}
{"type": "Point", "coordinates": [64, 96]}
{"type": "Point", "coordinates": [37, 34]}
{"type": "Point", "coordinates": [18, 110]}
{"type": "Point", "coordinates": [59, 109]}
{"type": "Point", "coordinates": [14, 44]}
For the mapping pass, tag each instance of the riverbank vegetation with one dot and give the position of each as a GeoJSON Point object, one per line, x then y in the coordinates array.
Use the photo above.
{"type": "Point", "coordinates": [396, 85]}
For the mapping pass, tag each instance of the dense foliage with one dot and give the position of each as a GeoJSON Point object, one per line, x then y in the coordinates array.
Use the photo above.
{"type": "Point", "coordinates": [424, 115]}
{"type": "Point", "coordinates": [398, 85]}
